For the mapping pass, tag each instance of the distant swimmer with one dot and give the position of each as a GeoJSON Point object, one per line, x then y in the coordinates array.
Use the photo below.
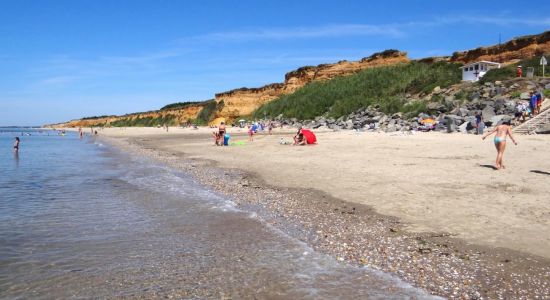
{"type": "Point", "coordinates": [502, 131]}
{"type": "Point", "coordinates": [16, 144]}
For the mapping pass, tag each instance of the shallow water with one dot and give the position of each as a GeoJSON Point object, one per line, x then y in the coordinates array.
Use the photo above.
{"type": "Point", "coordinates": [79, 219]}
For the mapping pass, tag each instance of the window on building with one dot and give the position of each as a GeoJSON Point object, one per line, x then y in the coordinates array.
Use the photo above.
{"type": "Point", "coordinates": [471, 68]}
{"type": "Point", "coordinates": [476, 67]}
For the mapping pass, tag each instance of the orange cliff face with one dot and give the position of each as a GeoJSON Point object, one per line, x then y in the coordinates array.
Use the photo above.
{"type": "Point", "coordinates": [181, 115]}
{"type": "Point", "coordinates": [515, 49]}
{"type": "Point", "coordinates": [244, 101]}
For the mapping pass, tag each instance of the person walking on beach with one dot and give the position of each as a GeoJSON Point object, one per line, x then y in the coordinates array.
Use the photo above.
{"type": "Point", "coordinates": [539, 101]}
{"type": "Point", "coordinates": [250, 133]}
{"type": "Point", "coordinates": [502, 131]}
{"type": "Point", "coordinates": [480, 126]}
{"type": "Point", "coordinates": [533, 104]}
{"type": "Point", "coordinates": [270, 127]}
{"type": "Point", "coordinates": [16, 144]}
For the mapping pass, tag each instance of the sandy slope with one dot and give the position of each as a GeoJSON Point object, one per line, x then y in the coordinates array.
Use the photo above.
{"type": "Point", "coordinates": [434, 182]}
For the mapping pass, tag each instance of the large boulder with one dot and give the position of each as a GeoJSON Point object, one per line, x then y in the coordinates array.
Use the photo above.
{"type": "Point", "coordinates": [524, 96]}
{"type": "Point", "coordinates": [497, 120]}
{"type": "Point", "coordinates": [463, 112]}
{"type": "Point", "coordinates": [488, 112]}
{"type": "Point", "coordinates": [544, 129]}
{"type": "Point", "coordinates": [464, 127]}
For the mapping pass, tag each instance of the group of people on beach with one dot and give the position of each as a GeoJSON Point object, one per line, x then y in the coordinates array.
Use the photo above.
{"type": "Point", "coordinates": [531, 108]}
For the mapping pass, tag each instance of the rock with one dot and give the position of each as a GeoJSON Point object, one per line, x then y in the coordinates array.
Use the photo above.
{"type": "Point", "coordinates": [391, 128]}
{"type": "Point", "coordinates": [449, 99]}
{"type": "Point", "coordinates": [496, 120]}
{"type": "Point", "coordinates": [473, 96]}
{"type": "Point", "coordinates": [543, 130]}
{"type": "Point", "coordinates": [348, 124]}
{"type": "Point", "coordinates": [375, 119]}
{"type": "Point", "coordinates": [547, 87]}
{"type": "Point", "coordinates": [464, 127]}
{"type": "Point", "coordinates": [488, 112]}
{"type": "Point", "coordinates": [498, 82]}
{"type": "Point", "coordinates": [524, 96]}
{"type": "Point", "coordinates": [463, 112]}
{"type": "Point", "coordinates": [437, 89]}
{"type": "Point", "coordinates": [397, 115]}
{"type": "Point", "coordinates": [435, 106]}
{"type": "Point", "coordinates": [383, 119]}
{"type": "Point", "coordinates": [317, 125]}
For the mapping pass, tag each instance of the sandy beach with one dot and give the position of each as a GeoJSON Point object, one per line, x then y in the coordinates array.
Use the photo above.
{"type": "Point", "coordinates": [434, 182]}
{"type": "Point", "coordinates": [432, 185]}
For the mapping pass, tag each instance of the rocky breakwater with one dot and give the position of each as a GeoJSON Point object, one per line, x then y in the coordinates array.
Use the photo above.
{"type": "Point", "coordinates": [515, 49]}
{"type": "Point", "coordinates": [244, 101]}
{"type": "Point", "coordinates": [452, 109]}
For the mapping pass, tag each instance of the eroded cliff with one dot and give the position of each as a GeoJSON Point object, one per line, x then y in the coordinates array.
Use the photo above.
{"type": "Point", "coordinates": [244, 101]}
{"type": "Point", "coordinates": [151, 118]}
{"type": "Point", "coordinates": [515, 49]}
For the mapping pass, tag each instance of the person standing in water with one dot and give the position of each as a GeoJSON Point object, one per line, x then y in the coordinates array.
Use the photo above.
{"type": "Point", "coordinates": [16, 144]}
{"type": "Point", "coordinates": [502, 131]}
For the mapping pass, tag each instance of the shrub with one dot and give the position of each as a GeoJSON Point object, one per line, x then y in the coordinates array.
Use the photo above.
{"type": "Point", "coordinates": [515, 94]}
{"type": "Point", "coordinates": [383, 86]}
{"type": "Point", "coordinates": [509, 72]}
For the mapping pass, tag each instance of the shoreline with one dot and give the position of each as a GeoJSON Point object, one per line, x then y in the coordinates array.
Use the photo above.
{"type": "Point", "coordinates": [355, 233]}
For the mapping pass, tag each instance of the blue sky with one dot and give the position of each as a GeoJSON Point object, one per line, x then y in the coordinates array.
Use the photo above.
{"type": "Point", "coordinates": [61, 60]}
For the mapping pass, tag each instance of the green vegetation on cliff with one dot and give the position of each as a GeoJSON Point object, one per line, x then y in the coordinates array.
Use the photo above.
{"type": "Point", "coordinates": [383, 86]}
{"type": "Point", "coordinates": [207, 112]}
{"type": "Point", "coordinates": [178, 105]}
{"type": "Point", "coordinates": [169, 120]}
{"type": "Point", "coordinates": [509, 71]}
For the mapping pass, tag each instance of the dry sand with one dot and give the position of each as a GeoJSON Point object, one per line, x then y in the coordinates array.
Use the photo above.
{"type": "Point", "coordinates": [434, 182]}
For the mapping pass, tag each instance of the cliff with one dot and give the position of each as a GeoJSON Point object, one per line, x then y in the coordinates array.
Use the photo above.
{"type": "Point", "coordinates": [515, 49]}
{"type": "Point", "coordinates": [151, 118]}
{"type": "Point", "coordinates": [244, 101]}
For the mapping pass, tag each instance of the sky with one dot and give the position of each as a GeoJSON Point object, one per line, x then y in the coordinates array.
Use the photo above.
{"type": "Point", "coordinates": [63, 60]}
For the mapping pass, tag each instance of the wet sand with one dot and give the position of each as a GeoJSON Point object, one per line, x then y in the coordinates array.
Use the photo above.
{"type": "Point", "coordinates": [427, 207]}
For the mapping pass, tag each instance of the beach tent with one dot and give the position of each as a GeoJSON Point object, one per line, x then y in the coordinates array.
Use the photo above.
{"type": "Point", "coordinates": [310, 136]}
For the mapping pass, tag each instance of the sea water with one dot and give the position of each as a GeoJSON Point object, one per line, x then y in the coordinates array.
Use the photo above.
{"type": "Point", "coordinates": [79, 219]}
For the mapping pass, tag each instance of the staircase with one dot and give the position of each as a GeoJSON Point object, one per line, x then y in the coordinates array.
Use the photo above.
{"type": "Point", "coordinates": [531, 125]}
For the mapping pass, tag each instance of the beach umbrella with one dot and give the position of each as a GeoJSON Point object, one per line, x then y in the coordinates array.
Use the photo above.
{"type": "Point", "coordinates": [310, 136]}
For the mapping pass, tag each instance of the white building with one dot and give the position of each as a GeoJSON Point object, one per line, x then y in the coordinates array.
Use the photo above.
{"type": "Point", "coordinates": [476, 70]}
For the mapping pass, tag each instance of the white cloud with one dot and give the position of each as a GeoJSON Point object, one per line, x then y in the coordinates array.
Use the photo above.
{"type": "Point", "coordinates": [57, 81]}
{"type": "Point", "coordinates": [492, 20]}
{"type": "Point", "coordinates": [325, 31]}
